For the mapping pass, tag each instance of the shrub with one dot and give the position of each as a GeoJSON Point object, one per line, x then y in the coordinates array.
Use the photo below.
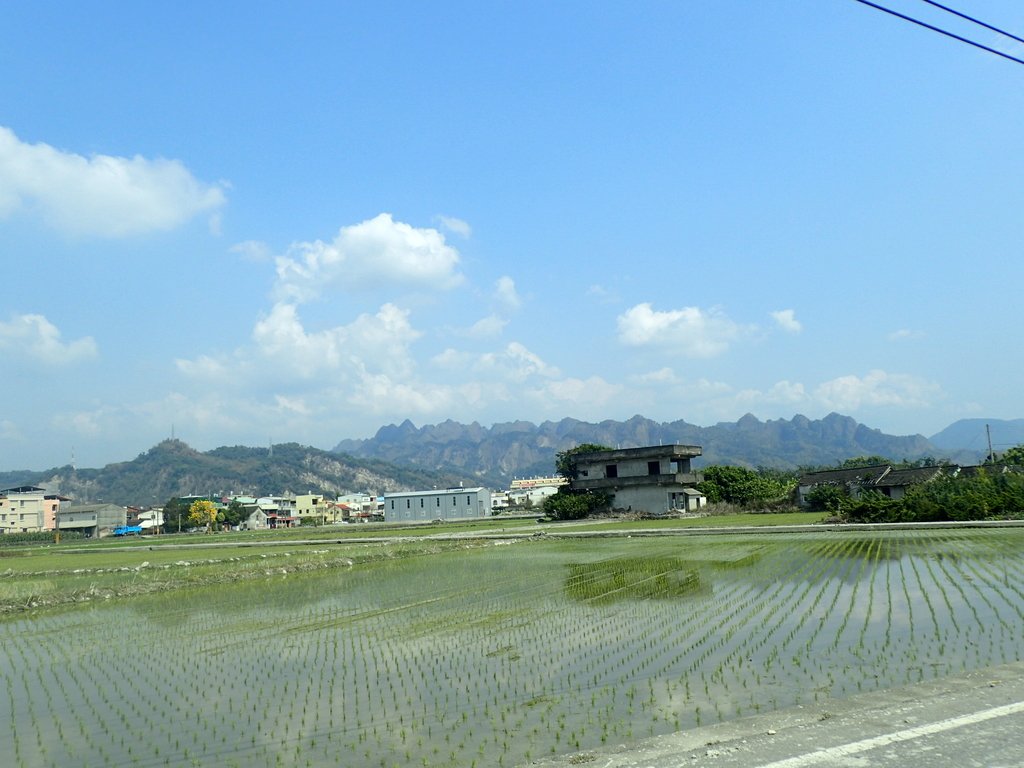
{"type": "Point", "coordinates": [571, 505]}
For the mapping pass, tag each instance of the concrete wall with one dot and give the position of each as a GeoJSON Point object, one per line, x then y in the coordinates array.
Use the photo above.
{"type": "Point", "coordinates": [424, 506]}
{"type": "Point", "coordinates": [646, 498]}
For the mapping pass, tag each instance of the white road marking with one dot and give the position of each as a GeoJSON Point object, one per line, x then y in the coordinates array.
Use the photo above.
{"type": "Point", "coordinates": [856, 747]}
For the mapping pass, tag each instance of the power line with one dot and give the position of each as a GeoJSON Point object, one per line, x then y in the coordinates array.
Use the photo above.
{"type": "Point", "coordinates": [974, 20]}
{"type": "Point", "coordinates": [941, 31]}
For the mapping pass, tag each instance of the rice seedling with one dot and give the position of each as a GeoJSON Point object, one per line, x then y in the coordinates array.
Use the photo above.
{"type": "Point", "coordinates": [498, 655]}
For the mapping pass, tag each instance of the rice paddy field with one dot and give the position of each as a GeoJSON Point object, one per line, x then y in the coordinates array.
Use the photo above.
{"type": "Point", "coordinates": [501, 653]}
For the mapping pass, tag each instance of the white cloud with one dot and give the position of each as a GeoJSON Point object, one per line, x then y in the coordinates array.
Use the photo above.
{"type": "Point", "coordinates": [690, 331]}
{"type": "Point", "coordinates": [506, 300]}
{"type": "Point", "coordinates": [458, 226]}
{"type": "Point", "coordinates": [485, 327]}
{"type": "Point", "coordinates": [452, 358]}
{"type": "Point", "coordinates": [252, 250]}
{"type": "Point", "coordinates": [877, 388]}
{"type": "Point", "coordinates": [515, 363]}
{"type": "Point", "coordinates": [581, 394]}
{"type": "Point", "coordinates": [100, 195]}
{"type": "Point", "coordinates": [505, 293]}
{"type": "Point", "coordinates": [35, 337]}
{"type": "Point", "coordinates": [380, 341]}
{"type": "Point", "coordinates": [204, 367]}
{"type": "Point", "coordinates": [366, 255]}
{"type": "Point", "coordinates": [602, 294]}
{"type": "Point", "coordinates": [380, 393]}
{"type": "Point", "coordinates": [905, 334]}
{"type": "Point", "coordinates": [9, 430]}
{"type": "Point", "coordinates": [661, 376]}
{"type": "Point", "coordinates": [781, 393]}
{"type": "Point", "coordinates": [293, 404]}
{"type": "Point", "coordinates": [786, 320]}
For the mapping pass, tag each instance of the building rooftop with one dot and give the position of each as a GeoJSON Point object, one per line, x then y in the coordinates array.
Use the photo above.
{"type": "Point", "coordinates": [645, 452]}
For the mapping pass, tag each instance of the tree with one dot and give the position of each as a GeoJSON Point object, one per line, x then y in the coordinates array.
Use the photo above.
{"type": "Point", "coordinates": [566, 506]}
{"type": "Point", "coordinates": [864, 461]}
{"type": "Point", "coordinates": [570, 503]}
{"type": "Point", "coordinates": [827, 498]}
{"type": "Point", "coordinates": [739, 485]}
{"type": "Point", "coordinates": [175, 511]}
{"type": "Point", "coordinates": [234, 513]}
{"type": "Point", "coordinates": [1013, 456]}
{"type": "Point", "coordinates": [565, 461]}
{"type": "Point", "coordinates": [203, 513]}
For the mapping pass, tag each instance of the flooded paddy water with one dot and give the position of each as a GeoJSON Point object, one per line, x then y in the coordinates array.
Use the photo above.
{"type": "Point", "coordinates": [501, 654]}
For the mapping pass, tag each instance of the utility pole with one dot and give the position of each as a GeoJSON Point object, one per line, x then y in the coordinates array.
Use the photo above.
{"type": "Point", "coordinates": [991, 454]}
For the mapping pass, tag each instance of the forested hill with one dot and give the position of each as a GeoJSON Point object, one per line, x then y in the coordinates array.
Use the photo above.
{"type": "Point", "coordinates": [172, 468]}
{"type": "Point", "coordinates": [520, 448]}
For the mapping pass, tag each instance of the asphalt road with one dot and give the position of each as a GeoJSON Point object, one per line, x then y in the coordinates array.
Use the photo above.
{"type": "Point", "coordinates": [974, 720]}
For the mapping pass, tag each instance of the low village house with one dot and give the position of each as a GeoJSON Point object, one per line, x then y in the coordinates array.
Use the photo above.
{"type": "Point", "coordinates": [447, 504]}
{"type": "Point", "coordinates": [892, 482]}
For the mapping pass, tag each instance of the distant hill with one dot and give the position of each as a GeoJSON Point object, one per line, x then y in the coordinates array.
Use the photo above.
{"type": "Point", "coordinates": [520, 448]}
{"type": "Point", "coordinates": [406, 457]}
{"type": "Point", "coordinates": [172, 468]}
{"type": "Point", "coordinates": [970, 435]}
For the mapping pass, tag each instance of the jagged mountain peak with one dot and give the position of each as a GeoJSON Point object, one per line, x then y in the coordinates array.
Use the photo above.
{"type": "Point", "coordinates": [518, 449]}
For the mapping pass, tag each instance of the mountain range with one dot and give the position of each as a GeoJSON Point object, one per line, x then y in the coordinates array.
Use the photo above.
{"type": "Point", "coordinates": [171, 468]}
{"type": "Point", "coordinates": [516, 449]}
{"type": "Point", "coordinates": [403, 457]}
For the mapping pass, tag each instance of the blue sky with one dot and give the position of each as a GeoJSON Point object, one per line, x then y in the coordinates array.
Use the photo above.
{"type": "Point", "coordinates": [262, 222]}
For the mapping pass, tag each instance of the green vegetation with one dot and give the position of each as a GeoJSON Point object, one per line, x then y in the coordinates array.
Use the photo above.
{"type": "Point", "coordinates": [37, 537]}
{"type": "Point", "coordinates": [565, 461]}
{"type": "Point", "coordinates": [737, 520]}
{"type": "Point", "coordinates": [748, 488]}
{"type": "Point", "coordinates": [569, 503]}
{"type": "Point", "coordinates": [574, 505]}
{"type": "Point", "coordinates": [985, 495]}
{"type": "Point", "coordinates": [461, 653]}
{"type": "Point", "coordinates": [202, 514]}
{"type": "Point", "coordinates": [993, 491]}
{"type": "Point", "coordinates": [1013, 456]}
{"type": "Point", "coordinates": [171, 468]}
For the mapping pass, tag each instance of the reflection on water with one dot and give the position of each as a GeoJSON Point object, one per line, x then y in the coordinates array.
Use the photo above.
{"type": "Point", "coordinates": [632, 578]}
{"type": "Point", "coordinates": [500, 656]}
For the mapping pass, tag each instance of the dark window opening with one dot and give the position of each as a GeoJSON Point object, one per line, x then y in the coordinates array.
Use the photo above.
{"type": "Point", "coordinates": [653, 467]}
{"type": "Point", "coordinates": [612, 470]}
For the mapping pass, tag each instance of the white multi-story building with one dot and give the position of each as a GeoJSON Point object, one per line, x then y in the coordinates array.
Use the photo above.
{"type": "Point", "coordinates": [530, 491]}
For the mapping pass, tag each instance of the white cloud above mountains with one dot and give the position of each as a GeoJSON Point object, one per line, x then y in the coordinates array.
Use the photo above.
{"type": "Point", "coordinates": [386, 364]}
{"type": "Point", "coordinates": [690, 331]}
{"type": "Point", "coordinates": [374, 253]}
{"type": "Point", "coordinates": [877, 388]}
{"type": "Point", "coordinates": [36, 338]}
{"type": "Point", "coordinates": [100, 195]}
{"type": "Point", "coordinates": [369, 341]}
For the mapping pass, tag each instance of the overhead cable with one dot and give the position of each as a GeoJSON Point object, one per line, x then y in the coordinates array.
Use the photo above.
{"type": "Point", "coordinates": [941, 31]}
{"type": "Point", "coordinates": [973, 20]}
